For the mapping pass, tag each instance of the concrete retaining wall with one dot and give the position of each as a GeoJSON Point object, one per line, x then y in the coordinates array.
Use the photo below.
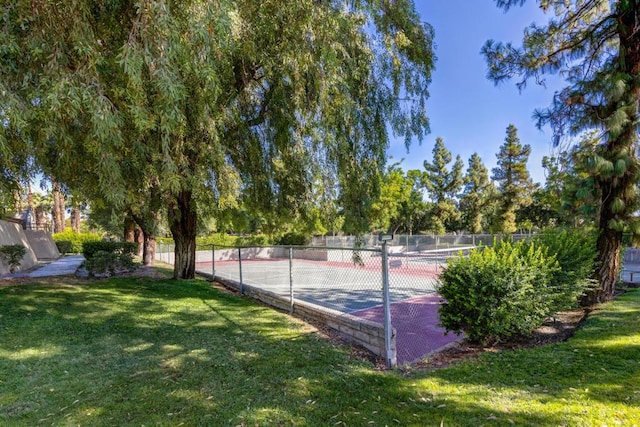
{"type": "Point", "coordinates": [42, 244]}
{"type": "Point", "coordinates": [362, 332]}
{"type": "Point", "coordinates": [13, 234]}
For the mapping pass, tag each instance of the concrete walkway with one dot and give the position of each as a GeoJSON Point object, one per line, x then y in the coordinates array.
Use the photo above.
{"type": "Point", "coordinates": [63, 266]}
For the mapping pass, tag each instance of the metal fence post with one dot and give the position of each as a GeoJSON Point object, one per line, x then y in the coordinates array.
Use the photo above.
{"type": "Point", "coordinates": [387, 308]}
{"type": "Point", "coordinates": [213, 262]}
{"type": "Point", "coordinates": [291, 279]}
{"type": "Point", "coordinates": [240, 268]}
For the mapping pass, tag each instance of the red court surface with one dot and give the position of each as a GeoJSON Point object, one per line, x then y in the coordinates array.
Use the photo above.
{"type": "Point", "coordinates": [416, 322]}
{"type": "Point", "coordinates": [357, 290]}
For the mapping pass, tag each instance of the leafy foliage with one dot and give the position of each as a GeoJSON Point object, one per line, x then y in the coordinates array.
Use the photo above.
{"type": "Point", "coordinates": [90, 249]}
{"type": "Point", "coordinates": [498, 292]}
{"type": "Point", "coordinates": [104, 257]}
{"type": "Point", "coordinates": [73, 242]}
{"type": "Point", "coordinates": [64, 246]}
{"type": "Point", "coordinates": [575, 251]}
{"type": "Point", "coordinates": [293, 239]}
{"type": "Point", "coordinates": [13, 254]}
{"type": "Point", "coordinates": [192, 107]}
{"type": "Point", "coordinates": [107, 262]}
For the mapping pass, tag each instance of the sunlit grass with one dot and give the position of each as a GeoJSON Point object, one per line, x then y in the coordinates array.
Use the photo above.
{"type": "Point", "coordinates": [163, 352]}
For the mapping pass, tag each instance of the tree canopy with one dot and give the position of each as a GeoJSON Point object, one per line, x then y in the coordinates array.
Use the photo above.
{"type": "Point", "coordinates": [217, 98]}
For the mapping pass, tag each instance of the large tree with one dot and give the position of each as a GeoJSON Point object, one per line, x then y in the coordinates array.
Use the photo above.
{"type": "Point", "coordinates": [595, 46]}
{"type": "Point", "coordinates": [220, 97]}
{"type": "Point", "coordinates": [514, 183]}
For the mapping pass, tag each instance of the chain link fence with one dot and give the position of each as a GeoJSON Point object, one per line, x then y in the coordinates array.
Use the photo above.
{"type": "Point", "coordinates": [413, 243]}
{"type": "Point", "coordinates": [345, 288]}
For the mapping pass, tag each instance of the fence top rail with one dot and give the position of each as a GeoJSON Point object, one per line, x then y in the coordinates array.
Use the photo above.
{"type": "Point", "coordinates": [313, 248]}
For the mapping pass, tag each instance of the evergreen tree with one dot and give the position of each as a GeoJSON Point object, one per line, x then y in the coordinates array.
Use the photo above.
{"type": "Point", "coordinates": [595, 45]}
{"type": "Point", "coordinates": [476, 195]}
{"type": "Point", "coordinates": [571, 189]}
{"type": "Point", "coordinates": [443, 186]}
{"type": "Point", "coordinates": [513, 181]}
{"type": "Point", "coordinates": [540, 213]}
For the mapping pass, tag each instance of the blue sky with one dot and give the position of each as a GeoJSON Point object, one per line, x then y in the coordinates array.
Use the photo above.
{"type": "Point", "coordinates": [468, 111]}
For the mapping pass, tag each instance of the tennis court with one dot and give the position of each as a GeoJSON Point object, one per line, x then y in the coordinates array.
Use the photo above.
{"type": "Point", "coordinates": [339, 283]}
{"type": "Point", "coordinates": [339, 286]}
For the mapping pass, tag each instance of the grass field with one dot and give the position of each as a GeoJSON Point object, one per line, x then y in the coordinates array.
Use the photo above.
{"type": "Point", "coordinates": [141, 351]}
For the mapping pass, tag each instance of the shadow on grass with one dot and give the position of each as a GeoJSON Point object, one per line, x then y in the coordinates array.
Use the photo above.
{"type": "Point", "coordinates": [141, 351]}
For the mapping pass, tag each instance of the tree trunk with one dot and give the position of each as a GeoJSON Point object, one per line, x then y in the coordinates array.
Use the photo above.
{"type": "Point", "coordinates": [183, 222]}
{"type": "Point", "coordinates": [39, 218]}
{"type": "Point", "coordinates": [144, 234]}
{"type": "Point", "coordinates": [30, 206]}
{"type": "Point", "coordinates": [138, 237]}
{"type": "Point", "coordinates": [75, 220]}
{"type": "Point", "coordinates": [148, 249]}
{"type": "Point", "coordinates": [129, 229]}
{"type": "Point", "coordinates": [608, 264]}
{"type": "Point", "coordinates": [57, 212]}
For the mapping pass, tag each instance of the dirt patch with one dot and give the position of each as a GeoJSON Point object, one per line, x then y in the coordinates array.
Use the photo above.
{"type": "Point", "coordinates": [150, 271]}
{"type": "Point", "coordinates": [13, 281]}
{"type": "Point", "coordinates": [558, 329]}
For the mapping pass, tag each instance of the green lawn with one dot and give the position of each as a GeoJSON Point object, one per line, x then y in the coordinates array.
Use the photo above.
{"type": "Point", "coordinates": [162, 352]}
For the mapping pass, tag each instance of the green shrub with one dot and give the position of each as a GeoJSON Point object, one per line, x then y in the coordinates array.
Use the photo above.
{"type": "Point", "coordinates": [218, 239]}
{"type": "Point", "coordinates": [64, 246]}
{"type": "Point", "coordinates": [13, 254]}
{"type": "Point", "coordinates": [230, 240]}
{"type": "Point", "coordinates": [222, 239]}
{"type": "Point", "coordinates": [497, 292]}
{"type": "Point", "coordinates": [253, 240]}
{"type": "Point", "coordinates": [575, 251]}
{"type": "Point", "coordinates": [103, 262]}
{"type": "Point", "coordinates": [293, 239]}
{"type": "Point", "coordinates": [89, 249]}
{"type": "Point", "coordinates": [76, 240]}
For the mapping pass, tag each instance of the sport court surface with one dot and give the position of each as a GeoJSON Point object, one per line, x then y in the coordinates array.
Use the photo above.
{"type": "Point", "coordinates": [357, 290]}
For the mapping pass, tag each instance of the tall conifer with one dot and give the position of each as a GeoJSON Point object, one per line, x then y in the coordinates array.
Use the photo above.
{"type": "Point", "coordinates": [595, 46]}
{"type": "Point", "coordinates": [476, 195]}
{"type": "Point", "coordinates": [512, 177]}
{"type": "Point", "coordinates": [443, 185]}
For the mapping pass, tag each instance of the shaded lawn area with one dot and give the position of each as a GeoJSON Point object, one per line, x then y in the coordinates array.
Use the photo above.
{"type": "Point", "coordinates": [141, 351]}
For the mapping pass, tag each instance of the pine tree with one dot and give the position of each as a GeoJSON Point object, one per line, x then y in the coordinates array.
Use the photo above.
{"type": "Point", "coordinates": [514, 183]}
{"type": "Point", "coordinates": [476, 195]}
{"type": "Point", "coordinates": [595, 45]}
{"type": "Point", "coordinates": [571, 188]}
{"type": "Point", "coordinates": [443, 186]}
